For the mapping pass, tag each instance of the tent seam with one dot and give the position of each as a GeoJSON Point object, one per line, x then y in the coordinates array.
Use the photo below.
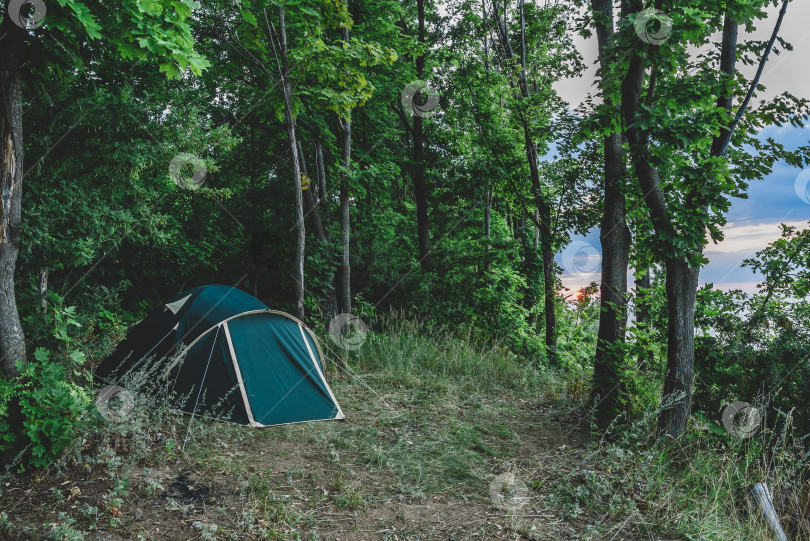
{"type": "Point", "coordinates": [241, 381]}
{"type": "Point", "coordinates": [318, 369]}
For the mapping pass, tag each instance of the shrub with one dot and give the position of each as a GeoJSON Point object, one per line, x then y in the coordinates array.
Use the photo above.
{"type": "Point", "coordinates": [43, 410]}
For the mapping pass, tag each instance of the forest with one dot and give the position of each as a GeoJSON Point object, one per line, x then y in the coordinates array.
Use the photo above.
{"type": "Point", "coordinates": [512, 292]}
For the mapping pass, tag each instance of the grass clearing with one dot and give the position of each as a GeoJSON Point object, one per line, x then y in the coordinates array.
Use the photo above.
{"type": "Point", "coordinates": [432, 426]}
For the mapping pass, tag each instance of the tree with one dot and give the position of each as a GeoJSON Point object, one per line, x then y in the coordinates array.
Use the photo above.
{"type": "Point", "coordinates": [139, 30]}
{"type": "Point", "coordinates": [542, 207]}
{"type": "Point", "coordinates": [345, 122]}
{"type": "Point", "coordinates": [610, 393]}
{"type": "Point", "coordinates": [289, 121]}
{"type": "Point", "coordinates": [417, 133]}
{"type": "Point", "coordinates": [321, 76]}
{"type": "Point", "coordinates": [679, 160]}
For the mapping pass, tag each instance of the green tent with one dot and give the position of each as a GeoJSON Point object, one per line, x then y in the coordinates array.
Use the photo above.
{"type": "Point", "coordinates": [243, 363]}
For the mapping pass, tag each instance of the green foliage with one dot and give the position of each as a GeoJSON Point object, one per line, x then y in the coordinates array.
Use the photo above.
{"type": "Point", "coordinates": [753, 347]}
{"type": "Point", "coordinates": [44, 410]}
{"type": "Point", "coordinates": [138, 29]}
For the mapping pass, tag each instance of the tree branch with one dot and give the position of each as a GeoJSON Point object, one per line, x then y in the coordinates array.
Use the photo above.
{"type": "Point", "coordinates": [724, 147]}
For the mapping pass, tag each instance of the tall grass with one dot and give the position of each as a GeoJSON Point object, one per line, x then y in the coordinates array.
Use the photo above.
{"type": "Point", "coordinates": [699, 484]}
{"type": "Point", "coordinates": [410, 351]}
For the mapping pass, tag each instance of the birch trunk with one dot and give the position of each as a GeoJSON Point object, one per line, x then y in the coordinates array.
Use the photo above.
{"type": "Point", "coordinates": [300, 233]}
{"type": "Point", "coordinates": [345, 291]}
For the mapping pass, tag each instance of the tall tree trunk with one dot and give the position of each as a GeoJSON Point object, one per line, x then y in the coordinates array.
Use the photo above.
{"type": "Point", "coordinates": [679, 375]}
{"type": "Point", "coordinates": [610, 392]}
{"type": "Point", "coordinates": [420, 191]}
{"type": "Point", "coordinates": [488, 226]}
{"type": "Point", "coordinates": [549, 293]}
{"type": "Point", "coordinates": [310, 200]}
{"type": "Point", "coordinates": [486, 41]}
{"type": "Point", "coordinates": [345, 292]}
{"type": "Point", "coordinates": [728, 63]}
{"type": "Point", "coordinates": [319, 196]}
{"type": "Point", "coordinates": [682, 283]}
{"type": "Point", "coordinates": [321, 175]}
{"type": "Point", "coordinates": [43, 291]}
{"type": "Point", "coordinates": [540, 201]}
{"type": "Point", "coordinates": [12, 340]}
{"type": "Point", "coordinates": [543, 209]}
{"type": "Point", "coordinates": [312, 207]}
{"type": "Point", "coordinates": [300, 243]}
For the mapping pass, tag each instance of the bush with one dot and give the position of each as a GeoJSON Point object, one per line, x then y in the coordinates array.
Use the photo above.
{"type": "Point", "coordinates": [44, 410]}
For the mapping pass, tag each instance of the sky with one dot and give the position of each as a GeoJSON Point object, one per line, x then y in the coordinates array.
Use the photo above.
{"type": "Point", "coordinates": [782, 197]}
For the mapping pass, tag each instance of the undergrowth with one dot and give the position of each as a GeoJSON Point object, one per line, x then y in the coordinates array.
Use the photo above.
{"type": "Point", "coordinates": [432, 414]}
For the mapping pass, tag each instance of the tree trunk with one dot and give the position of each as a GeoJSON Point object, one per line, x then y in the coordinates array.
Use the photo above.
{"type": "Point", "coordinates": [312, 207]}
{"type": "Point", "coordinates": [43, 290]}
{"type": "Point", "coordinates": [420, 191]}
{"type": "Point", "coordinates": [486, 42]}
{"type": "Point", "coordinates": [331, 308]}
{"type": "Point", "coordinates": [681, 280]}
{"type": "Point", "coordinates": [610, 392]}
{"type": "Point", "coordinates": [549, 293]}
{"type": "Point", "coordinates": [310, 201]}
{"type": "Point", "coordinates": [682, 283]}
{"type": "Point", "coordinates": [643, 315]}
{"type": "Point", "coordinates": [299, 200]}
{"type": "Point", "coordinates": [12, 340]}
{"type": "Point", "coordinates": [321, 176]}
{"type": "Point", "coordinates": [539, 198]}
{"type": "Point", "coordinates": [488, 227]}
{"type": "Point", "coordinates": [345, 293]}
{"type": "Point", "coordinates": [728, 63]}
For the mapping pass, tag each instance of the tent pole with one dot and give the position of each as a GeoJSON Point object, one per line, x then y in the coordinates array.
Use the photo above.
{"type": "Point", "coordinates": [211, 354]}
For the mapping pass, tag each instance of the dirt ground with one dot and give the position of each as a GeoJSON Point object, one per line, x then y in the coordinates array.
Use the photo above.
{"type": "Point", "coordinates": [387, 473]}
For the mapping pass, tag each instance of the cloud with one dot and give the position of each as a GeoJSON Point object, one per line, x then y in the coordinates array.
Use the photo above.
{"type": "Point", "coordinates": [748, 238]}
{"type": "Point", "coordinates": [742, 242]}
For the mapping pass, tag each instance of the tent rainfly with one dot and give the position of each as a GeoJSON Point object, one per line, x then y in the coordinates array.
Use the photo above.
{"type": "Point", "coordinates": [244, 362]}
